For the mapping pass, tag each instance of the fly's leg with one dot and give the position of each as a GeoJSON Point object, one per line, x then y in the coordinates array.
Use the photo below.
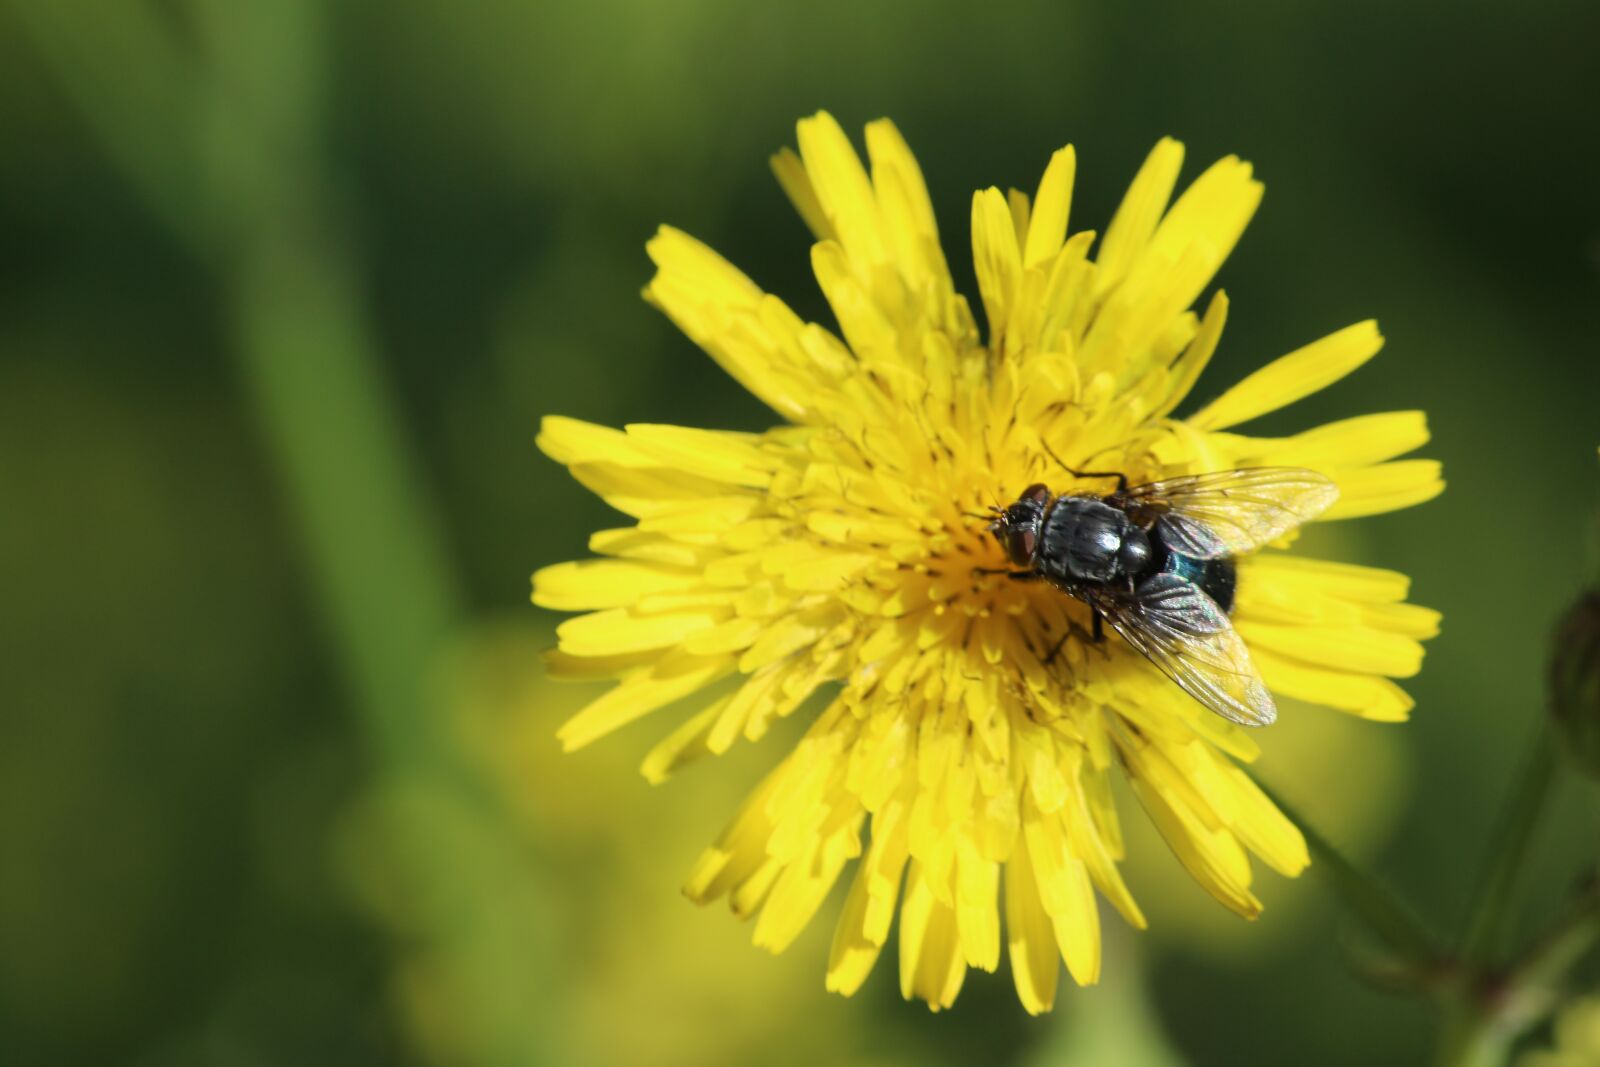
{"type": "Point", "coordinates": [1122, 479]}
{"type": "Point", "coordinates": [1094, 637]}
{"type": "Point", "coordinates": [1016, 576]}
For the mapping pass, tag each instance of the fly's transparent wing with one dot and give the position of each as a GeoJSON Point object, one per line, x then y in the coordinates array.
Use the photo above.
{"type": "Point", "coordinates": [1184, 633]}
{"type": "Point", "coordinates": [1228, 513]}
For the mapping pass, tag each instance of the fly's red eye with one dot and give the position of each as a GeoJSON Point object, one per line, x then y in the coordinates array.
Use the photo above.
{"type": "Point", "coordinates": [1019, 545]}
{"type": "Point", "coordinates": [1037, 492]}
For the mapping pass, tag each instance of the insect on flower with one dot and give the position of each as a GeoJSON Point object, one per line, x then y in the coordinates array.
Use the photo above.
{"type": "Point", "coordinates": [964, 734]}
{"type": "Point", "coordinates": [1156, 561]}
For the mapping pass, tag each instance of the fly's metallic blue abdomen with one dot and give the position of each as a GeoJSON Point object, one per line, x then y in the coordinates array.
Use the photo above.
{"type": "Point", "coordinates": [1217, 578]}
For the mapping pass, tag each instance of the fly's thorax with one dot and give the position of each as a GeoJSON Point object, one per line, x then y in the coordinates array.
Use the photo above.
{"type": "Point", "coordinates": [1137, 553]}
{"type": "Point", "coordinates": [1082, 540]}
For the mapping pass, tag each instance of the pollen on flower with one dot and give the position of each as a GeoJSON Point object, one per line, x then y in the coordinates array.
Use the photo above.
{"type": "Point", "coordinates": [962, 767]}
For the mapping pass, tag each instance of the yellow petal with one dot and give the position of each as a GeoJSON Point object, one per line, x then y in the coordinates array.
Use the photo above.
{"type": "Point", "coordinates": [671, 679]}
{"type": "Point", "coordinates": [605, 583]}
{"type": "Point", "coordinates": [1123, 339]}
{"type": "Point", "coordinates": [1095, 836]}
{"type": "Point", "coordinates": [1264, 829]}
{"type": "Point", "coordinates": [1066, 894]}
{"type": "Point", "coordinates": [1350, 648]}
{"type": "Point", "coordinates": [731, 635]}
{"type": "Point", "coordinates": [1030, 937]}
{"type": "Point", "coordinates": [1078, 925]}
{"type": "Point", "coordinates": [801, 889]}
{"type": "Point", "coordinates": [782, 637]}
{"type": "Point", "coordinates": [728, 315]}
{"type": "Point", "coordinates": [1413, 620]}
{"type": "Point", "coordinates": [1289, 378]}
{"type": "Point", "coordinates": [644, 491]}
{"type": "Point", "coordinates": [1350, 442]}
{"type": "Point", "coordinates": [682, 746]}
{"type": "Point", "coordinates": [564, 667]}
{"type": "Point", "coordinates": [888, 150]}
{"type": "Point", "coordinates": [618, 630]}
{"type": "Point", "coordinates": [653, 548]}
{"type": "Point", "coordinates": [1208, 852]}
{"type": "Point", "coordinates": [870, 334]}
{"type": "Point", "coordinates": [741, 851]}
{"type": "Point", "coordinates": [905, 209]}
{"type": "Point", "coordinates": [1211, 214]}
{"type": "Point", "coordinates": [1047, 228]}
{"type": "Point", "coordinates": [977, 921]}
{"type": "Point", "coordinates": [1135, 221]}
{"type": "Point", "coordinates": [1365, 695]}
{"type": "Point", "coordinates": [931, 966]}
{"type": "Point", "coordinates": [852, 955]}
{"type": "Point", "coordinates": [1187, 367]}
{"type": "Point", "coordinates": [842, 187]}
{"type": "Point", "coordinates": [791, 175]}
{"type": "Point", "coordinates": [714, 454]}
{"type": "Point", "coordinates": [1386, 487]}
{"type": "Point", "coordinates": [570, 441]}
{"type": "Point", "coordinates": [863, 926]}
{"type": "Point", "coordinates": [1017, 204]}
{"type": "Point", "coordinates": [995, 258]}
{"type": "Point", "coordinates": [1367, 598]}
{"type": "Point", "coordinates": [1349, 580]}
{"type": "Point", "coordinates": [704, 520]}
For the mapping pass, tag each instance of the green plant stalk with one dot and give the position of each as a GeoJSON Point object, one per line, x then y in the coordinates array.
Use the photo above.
{"type": "Point", "coordinates": [220, 144]}
{"type": "Point", "coordinates": [1376, 906]}
{"type": "Point", "coordinates": [1555, 952]}
{"type": "Point", "coordinates": [1487, 1016]}
{"type": "Point", "coordinates": [220, 138]}
{"type": "Point", "coordinates": [1508, 851]}
{"type": "Point", "coordinates": [378, 572]}
{"type": "Point", "coordinates": [1491, 1005]}
{"type": "Point", "coordinates": [310, 368]}
{"type": "Point", "coordinates": [123, 71]}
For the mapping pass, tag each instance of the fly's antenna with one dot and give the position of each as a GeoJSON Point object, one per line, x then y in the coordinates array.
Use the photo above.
{"type": "Point", "coordinates": [993, 517]}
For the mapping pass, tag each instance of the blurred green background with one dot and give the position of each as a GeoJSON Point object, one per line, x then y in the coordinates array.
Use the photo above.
{"type": "Point", "coordinates": [284, 288]}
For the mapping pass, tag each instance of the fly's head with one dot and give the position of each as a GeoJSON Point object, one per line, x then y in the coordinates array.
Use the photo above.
{"type": "Point", "coordinates": [1017, 527]}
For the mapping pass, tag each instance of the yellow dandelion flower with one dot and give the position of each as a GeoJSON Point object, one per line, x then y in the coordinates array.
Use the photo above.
{"type": "Point", "coordinates": [966, 771]}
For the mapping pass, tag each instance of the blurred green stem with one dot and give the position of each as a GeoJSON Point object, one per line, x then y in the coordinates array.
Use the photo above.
{"type": "Point", "coordinates": [1383, 913]}
{"type": "Point", "coordinates": [1555, 952]}
{"type": "Point", "coordinates": [1489, 1006]}
{"type": "Point", "coordinates": [221, 140]}
{"type": "Point", "coordinates": [219, 128]}
{"type": "Point", "coordinates": [121, 67]}
{"type": "Point", "coordinates": [1508, 851]}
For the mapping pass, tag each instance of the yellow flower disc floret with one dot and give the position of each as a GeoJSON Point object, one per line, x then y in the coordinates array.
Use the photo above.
{"type": "Point", "coordinates": [843, 553]}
